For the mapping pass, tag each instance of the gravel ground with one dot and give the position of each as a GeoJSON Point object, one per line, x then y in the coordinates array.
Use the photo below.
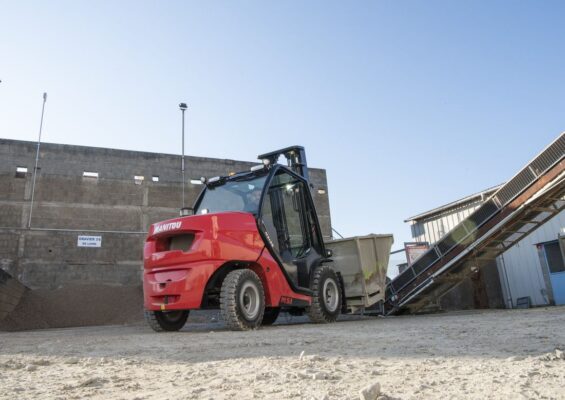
{"type": "Point", "coordinates": [505, 354]}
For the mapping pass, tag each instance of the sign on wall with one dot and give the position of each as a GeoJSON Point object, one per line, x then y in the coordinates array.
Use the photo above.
{"type": "Point", "coordinates": [414, 250]}
{"type": "Point", "coordinates": [89, 241]}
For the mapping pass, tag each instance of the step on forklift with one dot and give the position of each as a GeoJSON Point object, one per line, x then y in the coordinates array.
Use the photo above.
{"type": "Point", "coordinates": [251, 246]}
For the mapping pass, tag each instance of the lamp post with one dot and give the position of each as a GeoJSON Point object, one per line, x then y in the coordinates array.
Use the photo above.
{"type": "Point", "coordinates": [183, 107]}
{"type": "Point", "coordinates": [36, 160]}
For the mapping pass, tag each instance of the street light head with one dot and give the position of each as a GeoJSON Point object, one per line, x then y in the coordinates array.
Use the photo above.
{"type": "Point", "coordinates": [183, 106]}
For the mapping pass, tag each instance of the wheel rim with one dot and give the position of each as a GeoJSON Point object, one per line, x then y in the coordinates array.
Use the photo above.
{"type": "Point", "coordinates": [249, 300]}
{"type": "Point", "coordinates": [331, 295]}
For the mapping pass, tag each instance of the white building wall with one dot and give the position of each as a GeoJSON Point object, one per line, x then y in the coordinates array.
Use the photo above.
{"type": "Point", "coordinates": [433, 228]}
{"type": "Point", "coordinates": [520, 267]}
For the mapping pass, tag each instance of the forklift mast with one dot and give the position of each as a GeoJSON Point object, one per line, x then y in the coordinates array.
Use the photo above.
{"type": "Point", "coordinates": [295, 157]}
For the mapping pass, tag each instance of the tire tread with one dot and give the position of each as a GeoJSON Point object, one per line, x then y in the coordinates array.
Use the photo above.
{"type": "Point", "coordinates": [228, 300]}
{"type": "Point", "coordinates": [316, 312]}
{"type": "Point", "coordinates": [152, 321]}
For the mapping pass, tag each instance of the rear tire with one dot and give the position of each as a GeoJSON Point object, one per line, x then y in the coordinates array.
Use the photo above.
{"type": "Point", "coordinates": [270, 316]}
{"type": "Point", "coordinates": [242, 300]}
{"type": "Point", "coordinates": [169, 321]}
{"type": "Point", "coordinates": [326, 301]}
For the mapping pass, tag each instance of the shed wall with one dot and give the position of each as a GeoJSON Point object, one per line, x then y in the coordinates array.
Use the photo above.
{"type": "Point", "coordinates": [520, 268]}
{"type": "Point", "coordinates": [432, 228]}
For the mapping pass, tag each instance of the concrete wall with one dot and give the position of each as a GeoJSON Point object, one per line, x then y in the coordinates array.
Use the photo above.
{"type": "Point", "coordinates": [11, 291]}
{"type": "Point", "coordinates": [112, 206]}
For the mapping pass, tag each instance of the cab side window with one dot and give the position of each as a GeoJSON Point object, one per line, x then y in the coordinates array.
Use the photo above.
{"type": "Point", "coordinates": [285, 203]}
{"type": "Point", "coordinates": [268, 221]}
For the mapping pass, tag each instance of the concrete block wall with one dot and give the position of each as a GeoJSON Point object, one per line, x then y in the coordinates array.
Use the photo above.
{"type": "Point", "coordinates": [11, 291]}
{"type": "Point", "coordinates": [112, 206]}
{"type": "Point", "coordinates": [68, 160]}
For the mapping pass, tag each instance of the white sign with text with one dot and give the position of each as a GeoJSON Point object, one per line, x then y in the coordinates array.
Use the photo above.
{"type": "Point", "coordinates": [89, 241]}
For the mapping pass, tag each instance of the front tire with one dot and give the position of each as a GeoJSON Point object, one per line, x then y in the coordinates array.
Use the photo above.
{"type": "Point", "coordinates": [170, 321]}
{"type": "Point", "coordinates": [326, 302]}
{"type": "Point", "coordinates": [242, 300]}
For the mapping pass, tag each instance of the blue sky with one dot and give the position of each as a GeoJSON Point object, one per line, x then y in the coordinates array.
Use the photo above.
{"type": "Point", "coordinates": [407, 104]}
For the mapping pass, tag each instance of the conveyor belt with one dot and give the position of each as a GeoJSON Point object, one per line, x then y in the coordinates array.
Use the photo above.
{"type": "Point", "coordinates": [525, 202]}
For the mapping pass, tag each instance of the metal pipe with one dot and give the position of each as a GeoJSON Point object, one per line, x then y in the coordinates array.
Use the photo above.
{"type": "Point", "coordinates": [183, 108]}
{"type": "Point", "coordinates": [337, 233]}
{"type": "Point", "coordinates": [397, 251]}
{"type": "Point", "coordinates": [509, 301]}
{"type": "Point", "coordinates": [4, 228]}
{"type": "Point", "coordinates": [183, 177]}
{"type": "Point", "coordinates": [36, 160]}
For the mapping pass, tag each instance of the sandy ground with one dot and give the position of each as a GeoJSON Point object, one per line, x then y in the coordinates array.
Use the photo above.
{"type": "Point", "coordinates": [493, 354]}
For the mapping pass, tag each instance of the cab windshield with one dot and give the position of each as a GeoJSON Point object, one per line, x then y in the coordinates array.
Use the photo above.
{"type": "Point", "coordinates": [236, 194]}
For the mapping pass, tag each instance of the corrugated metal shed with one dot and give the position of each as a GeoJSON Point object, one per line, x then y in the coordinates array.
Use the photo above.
{"type": "Point", "coordinates": [431, 225]}
{"type": "Point", "coordinates": [520, 269]}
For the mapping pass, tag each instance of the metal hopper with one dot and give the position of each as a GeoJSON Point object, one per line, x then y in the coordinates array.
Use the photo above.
{"type": "Point", "coordinates": [362, 262]}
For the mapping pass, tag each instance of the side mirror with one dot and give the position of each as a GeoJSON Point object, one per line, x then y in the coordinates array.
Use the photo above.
{"type": "Point", "coordinates": [329, 253]}
{"type": "Point", "coordinates": [186, 211]}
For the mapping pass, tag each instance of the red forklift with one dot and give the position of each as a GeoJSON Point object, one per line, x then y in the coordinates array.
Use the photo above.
{"type": "Point", "coordinates": [251, 246]}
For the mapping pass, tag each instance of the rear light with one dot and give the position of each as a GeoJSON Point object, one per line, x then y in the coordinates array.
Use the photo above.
{"type": "Point", "coordinates": [181, 242]}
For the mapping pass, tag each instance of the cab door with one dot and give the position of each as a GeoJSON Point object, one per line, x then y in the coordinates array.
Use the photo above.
{"type": "Point", "coordinates": [289, 222]}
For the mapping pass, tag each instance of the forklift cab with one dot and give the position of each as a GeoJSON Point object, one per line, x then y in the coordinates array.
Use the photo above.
{"type": "Point", "coordinates": [289, 222]}
{"type": "Point", "coordinates": [282, 204]}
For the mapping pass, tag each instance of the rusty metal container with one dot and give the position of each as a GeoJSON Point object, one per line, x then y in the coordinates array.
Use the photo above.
{"type": "Point", "coordinates": [362, 262]}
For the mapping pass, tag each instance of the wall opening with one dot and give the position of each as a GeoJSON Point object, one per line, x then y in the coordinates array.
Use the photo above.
{"type": "Point", "coordinates": [21, 172]}
{"type": "Point", "coordinates": [90, 174]}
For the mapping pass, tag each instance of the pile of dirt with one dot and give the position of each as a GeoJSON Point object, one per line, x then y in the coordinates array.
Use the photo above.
{"type": "Point", "coordinates": [76, 305]}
